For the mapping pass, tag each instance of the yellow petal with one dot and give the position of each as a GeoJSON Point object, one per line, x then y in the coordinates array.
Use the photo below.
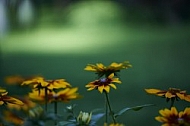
{"type": "Point", "coordinates": [100, 66]}
{"type": "Point", "coordinates": [114, 64]}
{"type": "Point", "coordinates": [160, 119]}
{"type": "Point", "coordinates": [116, 80]}
{"type": "Point", "coordinates": [187, 111]}
{"type": "Point", "coordinates": [64, 91]}
{"type": "Point", "coordinates": [181, 114]}
{"type": "Point", "coordinates": [113, 86]}
{"type": "Point", "coordinates": [101, 88]}
{"type": "Point", "coordinates": [89, 89]}
{"type": "Point", "coordinates": [169, 95]}
{"type": "Point", "coordinates": [72, 90]}
{"type": "Point", "coordinates": [166, 112]}
{"type": "Point", "coordinates": [107, 89]}
{"type": "Point", "coordinates": [153, 91]}
{"type": "Point", "coordinates": [181, 96]}
{"type": "Point", "coordinates": [174, 111]}
{"type": "Point", "coordinates": [187, 98]}
{"type": "Point", "coordinates": [1, 102]}
{"type": "Point", "coordinates": [111, 75]}
{"type": "Point", "coordinates": [90, 67]}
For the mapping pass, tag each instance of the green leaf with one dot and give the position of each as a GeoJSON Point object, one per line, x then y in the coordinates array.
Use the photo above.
{"type": "Point", "coordinates": [135, 108]}
{"type": "Point", "coordinates": [97, 110]}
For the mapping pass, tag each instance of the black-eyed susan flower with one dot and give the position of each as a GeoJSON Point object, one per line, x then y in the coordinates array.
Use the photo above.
{"type": "Point", "coordinates": [171, 117]}
{"type": "Point", "coordinates": [101, 69]}
{"type": "Point", "coordinates": [41, 83]}
{"type": "Point", "coordinates": [103, 84]}
{"type": "Point", "coordinates": [27, 104]}
{"type": "Point", "coordinates": [57, 84]}
{"type": "Point", "coordinates": [5, 100]}
{"type": "Point", "coordinates": [64, 95]}
{"type": "Point", "coordinates": [37, 82]}
{"type": "Point", "coordinates": [15, 79]}
{"type": "Point", "coordinates": [171, 93]}
{"type": "Point", "coordinates": [13, 118]}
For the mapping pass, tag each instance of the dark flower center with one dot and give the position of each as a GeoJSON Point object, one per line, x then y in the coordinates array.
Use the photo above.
{"type": "Point", "coordinates": [103, 81]}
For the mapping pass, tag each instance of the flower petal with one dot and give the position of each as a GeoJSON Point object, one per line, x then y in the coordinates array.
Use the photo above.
{"type": "Point", "coordinates": [113, 86]}
{"type": "Point", "coordinates": [101, 88]}
{"type": "Point", "coordinates": [107, 89]}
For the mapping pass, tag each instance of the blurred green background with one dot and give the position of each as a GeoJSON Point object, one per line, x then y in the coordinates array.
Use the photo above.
{"type": "Point", "coordinates": [58, 38]}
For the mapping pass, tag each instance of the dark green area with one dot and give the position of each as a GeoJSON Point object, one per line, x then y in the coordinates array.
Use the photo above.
{"type": "Point", "coordinates": [159, 53]}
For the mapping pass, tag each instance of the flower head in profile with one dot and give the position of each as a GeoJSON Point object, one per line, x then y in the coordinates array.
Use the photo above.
{"type": "Point", "coordinates": [101, 69]}
{"type": "Point", "coordinates": [57, 84]}
{"type": "Point", "coordinates": [27, 104]}
{"type": "Point", "coordinates": [40, 83]}
{"type": "Point", "coordinates": [171, 93]}
{"type": "Point", "coordinates": [171, 117]}
{"type": "Point", "coordinates": [103, 84]}
{"type": "Point", "coordinates": [37, 82]}
{"type": "Point", "coordinates": [64, 95]}
{"type": "Point", "coordinates": [5, 99]}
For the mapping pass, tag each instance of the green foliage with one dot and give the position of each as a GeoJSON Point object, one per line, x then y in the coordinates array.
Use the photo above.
{"type": "Point", "coordinates": [135, 108]}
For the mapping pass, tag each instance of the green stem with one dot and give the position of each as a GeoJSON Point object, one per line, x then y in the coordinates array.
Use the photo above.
{"type": "Point", "coordinates": [106, 110]}
{"type": "Point", "coordinates": [55, 110]}
{"type": "Point", "coordinates": [172, 102]}
{"type": "Point", "coordinates": [109, 106]}
{"type": "Point", "coordinates": [46, 98]}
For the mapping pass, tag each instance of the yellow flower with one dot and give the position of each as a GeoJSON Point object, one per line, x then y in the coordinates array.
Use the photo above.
{"type": "Point", "coordinates": [170, 93]}
{"type": "Point", "coordinates": [2, 91]}
{"type": "Point", "coordinates": [56, 84]}
{"type": "Point", "coordinates": [64, 95]}
{"type": "Point", "coordinates": [114, 124]}
{"type": "Point", "coordinates": [12, 118]}
{"type": "Point", "coordinates": [40, 83]}
{"type": "Point", "coordinates": [103, 84]}
{"type": "Point", "coordinates": [16, 79]}
{"type": "Point", "coordinates": [37, 82]}
{"type": "Point", "coordinates": [173, 118]}
{"type": "Point", "coordinates": [101, 70]}
{"type": "Point", "coordinates": [27, 104]}
{"type": "Point", "coordinates": [5, 100]}
{"type": "Point", "coordinates": [84, 118]}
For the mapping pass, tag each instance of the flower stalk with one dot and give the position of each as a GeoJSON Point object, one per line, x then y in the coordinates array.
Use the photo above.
{"type": "Point", "coordinates": [109, 107]}
{"type": "Point", "coordinates": [55, 110]}
{"type": "Point", "coordinates": [46, 98]}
